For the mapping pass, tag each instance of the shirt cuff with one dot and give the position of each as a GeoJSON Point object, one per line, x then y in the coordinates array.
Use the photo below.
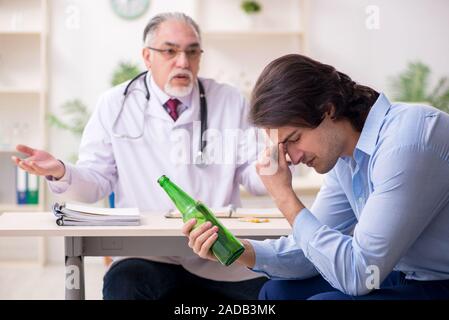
{"type": "Point", "coordinates": [304, 228]}
{"type": "Point", "coordinates": [62, 184]}
{"type": "Point", "coordinates": [263, 254]}
{"type": "Point", "coordinates": [51, 178]}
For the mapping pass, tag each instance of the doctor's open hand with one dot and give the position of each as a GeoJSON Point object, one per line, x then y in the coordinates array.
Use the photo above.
{"type": "Point", "coordinates": [275, 174]}
{"type": "Point", "coordinates": [39, 162]}
{"type": "Point", "coordinates": [202, 238]}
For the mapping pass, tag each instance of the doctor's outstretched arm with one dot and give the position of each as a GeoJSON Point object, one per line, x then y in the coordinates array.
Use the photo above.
{"type": "Point", "coordinates": [94, 175]}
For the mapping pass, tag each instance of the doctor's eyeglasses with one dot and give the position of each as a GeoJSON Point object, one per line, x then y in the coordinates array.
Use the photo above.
{"type": "Point", "coordinates": [171, 53]}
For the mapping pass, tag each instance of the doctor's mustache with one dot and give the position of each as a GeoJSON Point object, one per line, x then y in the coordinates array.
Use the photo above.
{"type": "Point", "coordinates": [180, 73]}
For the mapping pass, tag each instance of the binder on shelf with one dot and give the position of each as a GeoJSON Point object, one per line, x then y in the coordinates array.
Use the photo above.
{"type": "Point", "coordinates": [68, 214]}
{"type": "Point", "coordinates": [21, 186]}
{"type": "Point", "coordinates": [33, 189]}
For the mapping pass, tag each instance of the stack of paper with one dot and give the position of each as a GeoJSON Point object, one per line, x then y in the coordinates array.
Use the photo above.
{"type": "Point", "coordinates": [231, 212]}
{"type": "Point", "coordinates": [68, 214]}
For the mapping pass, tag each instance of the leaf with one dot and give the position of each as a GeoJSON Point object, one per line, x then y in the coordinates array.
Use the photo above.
{"type": "Point", "coordinates": [251, 7]}
{"type": "Point", "coordinates": [412, 85]}
{"type": "Point", "coordinates": [124, 72]}
{"type": "Point", "coordinates": [75, 119]}
{"type": "Point", "coordinates": [440, 95]}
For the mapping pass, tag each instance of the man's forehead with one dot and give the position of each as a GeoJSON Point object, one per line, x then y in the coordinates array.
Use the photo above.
{"type": "Point", "coordinates": [280, 134]}
{"type": "Point", "coordinates": [174, 31]}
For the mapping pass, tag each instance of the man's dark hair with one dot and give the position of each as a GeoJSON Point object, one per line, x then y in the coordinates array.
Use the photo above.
{"type": "Point", "coordinates": [295, 90]}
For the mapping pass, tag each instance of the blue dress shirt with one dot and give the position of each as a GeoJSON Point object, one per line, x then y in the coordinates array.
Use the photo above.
{"type": "Point", "coordinates": [385, 208]}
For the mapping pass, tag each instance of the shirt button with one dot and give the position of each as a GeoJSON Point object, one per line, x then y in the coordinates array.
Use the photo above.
{"type": "Point", "coordinates": [361, 200]}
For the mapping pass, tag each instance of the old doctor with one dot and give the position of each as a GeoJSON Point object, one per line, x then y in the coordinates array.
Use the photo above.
{"type": "Point", "coordinates": [128, 144]}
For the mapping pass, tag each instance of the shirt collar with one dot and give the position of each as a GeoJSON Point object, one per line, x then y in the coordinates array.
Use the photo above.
{"type": "Point", "coordinates": [370, 132]}
{"type": "Point", "coordinates": [164, 97]}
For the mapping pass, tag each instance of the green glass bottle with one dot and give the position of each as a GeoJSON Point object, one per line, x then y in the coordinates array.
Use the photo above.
{"type": "Point", "coordinates": [227, 248]}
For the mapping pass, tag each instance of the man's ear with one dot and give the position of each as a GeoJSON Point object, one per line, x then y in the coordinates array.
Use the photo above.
{"type": "Point", "coordinates": [331, 111]}
{"type": "Point", "coordinates": [146, 54]}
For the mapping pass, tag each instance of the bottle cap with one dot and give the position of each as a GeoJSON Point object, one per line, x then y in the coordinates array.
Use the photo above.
{"type": "Point", "coordinates": [162, 180]}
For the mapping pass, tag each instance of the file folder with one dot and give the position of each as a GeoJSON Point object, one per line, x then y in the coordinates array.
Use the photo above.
{"type": "Point", "coordinates": [21, 186]}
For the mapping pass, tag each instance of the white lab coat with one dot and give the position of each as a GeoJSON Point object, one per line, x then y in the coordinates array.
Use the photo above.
{"type": "Point", "coordinates": [130, 168]}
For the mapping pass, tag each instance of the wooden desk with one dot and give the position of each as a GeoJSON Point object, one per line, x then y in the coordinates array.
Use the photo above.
{"type": "Point", "coordinates": [143, 240]}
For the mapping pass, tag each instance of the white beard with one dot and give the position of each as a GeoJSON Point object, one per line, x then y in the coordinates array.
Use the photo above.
{"type": "Point", "coordinates": [178, 91]}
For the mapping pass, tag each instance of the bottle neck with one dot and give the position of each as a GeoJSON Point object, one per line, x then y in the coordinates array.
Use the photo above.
{"type": "Point", "coordinates": [181, 199]}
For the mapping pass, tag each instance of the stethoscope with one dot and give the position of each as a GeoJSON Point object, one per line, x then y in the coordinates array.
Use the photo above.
{"type": "Point", "coordinates": [200, 159]}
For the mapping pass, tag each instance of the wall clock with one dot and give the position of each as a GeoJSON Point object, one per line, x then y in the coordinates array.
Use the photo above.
{"type": "Point", "coordinates": [130, 9]}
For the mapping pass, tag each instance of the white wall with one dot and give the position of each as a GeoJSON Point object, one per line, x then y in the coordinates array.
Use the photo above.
{"type": "Point", "coordinates": [408, 30]}
{"type": "Point", "coordinates": [87, 41]}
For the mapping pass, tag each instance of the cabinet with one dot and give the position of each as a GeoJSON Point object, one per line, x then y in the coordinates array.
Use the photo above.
{"type": "Point", "coordinates": [23, 89]}
{"type": "Point", "coordinates": [238, 45]}
{"type": "Point", "coordinates": [23, 97]}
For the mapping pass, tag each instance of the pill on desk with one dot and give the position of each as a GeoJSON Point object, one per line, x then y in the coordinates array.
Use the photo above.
{"type": "Point", "coordinates": [253, 220]}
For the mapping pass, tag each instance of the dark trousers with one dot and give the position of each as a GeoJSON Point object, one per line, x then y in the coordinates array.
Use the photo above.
{"type": "Point", "coordinates": [394, 287]}
{"type": "Point", "coordinates": [135, 278]}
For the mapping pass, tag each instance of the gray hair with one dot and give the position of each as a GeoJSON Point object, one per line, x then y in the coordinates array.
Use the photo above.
{"type": "Point", "coordinates": [153, 24]}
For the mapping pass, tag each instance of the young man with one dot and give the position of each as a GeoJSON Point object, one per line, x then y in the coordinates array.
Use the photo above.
{"type": "Point", "coordinates": [131, 141]}
{"type": "Point", "coordinates": [379, 227]}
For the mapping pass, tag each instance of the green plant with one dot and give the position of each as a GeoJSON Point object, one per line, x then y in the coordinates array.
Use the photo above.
{"type": "Point", "coordinates": [75, 111]}
{"type": "Point", "coordinates": [78, 113]}
{"type": "Point", "coordinates": [412, 85]}
{"type": "Point", "coordinates": [251, 7]}
{"type": "Point", "coordinates": [124, 72]}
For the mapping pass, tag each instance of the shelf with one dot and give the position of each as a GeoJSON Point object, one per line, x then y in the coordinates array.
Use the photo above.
{"type": "Point", "coordinates": [249, 33]}
{"type": "Point", "coordinates": [20, 208]}
{"type": "Point", "coordinates": [21, 15]}
{"type": "Point", "coordinates": [21, 32]}
{"type": "Point", "coordinates": [231, 36]}
{"type": "Point", "coordinates": [4, 89]}
{"type": "Point", "coordinates": [7, 151]}
{"type": "Point", "coordinates": [23, 102]}
{"type": "Point", "coordinates": [11, 150]}
{"type": "Point", "coordinates": [21, 62]}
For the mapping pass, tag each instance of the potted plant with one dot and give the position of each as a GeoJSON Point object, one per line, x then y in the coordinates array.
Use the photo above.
{"type": "Point", "coordinates": [251, 7]}
{"type": "Point", "coordinates": [252, 11]}
{"type": "Point", "coordinates": [412, 85]}
{"type": "Point", "coordinates": [76, 117]}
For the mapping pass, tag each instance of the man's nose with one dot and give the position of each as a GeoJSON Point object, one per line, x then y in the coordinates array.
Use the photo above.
{"type": "Point", "coordinates": [296, 156]}
{"type": "Point", "coordinates": [182, 61]}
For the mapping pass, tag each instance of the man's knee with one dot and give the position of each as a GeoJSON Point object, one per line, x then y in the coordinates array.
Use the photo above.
{"type": "Point", "coordinates": [274, 290]}
{"type": "Point", "coordinates": [127, 280]}
{"type": "Point", "coordinates": [331, 295]}
{"type": "Point", "coordinates": [294, 289]}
